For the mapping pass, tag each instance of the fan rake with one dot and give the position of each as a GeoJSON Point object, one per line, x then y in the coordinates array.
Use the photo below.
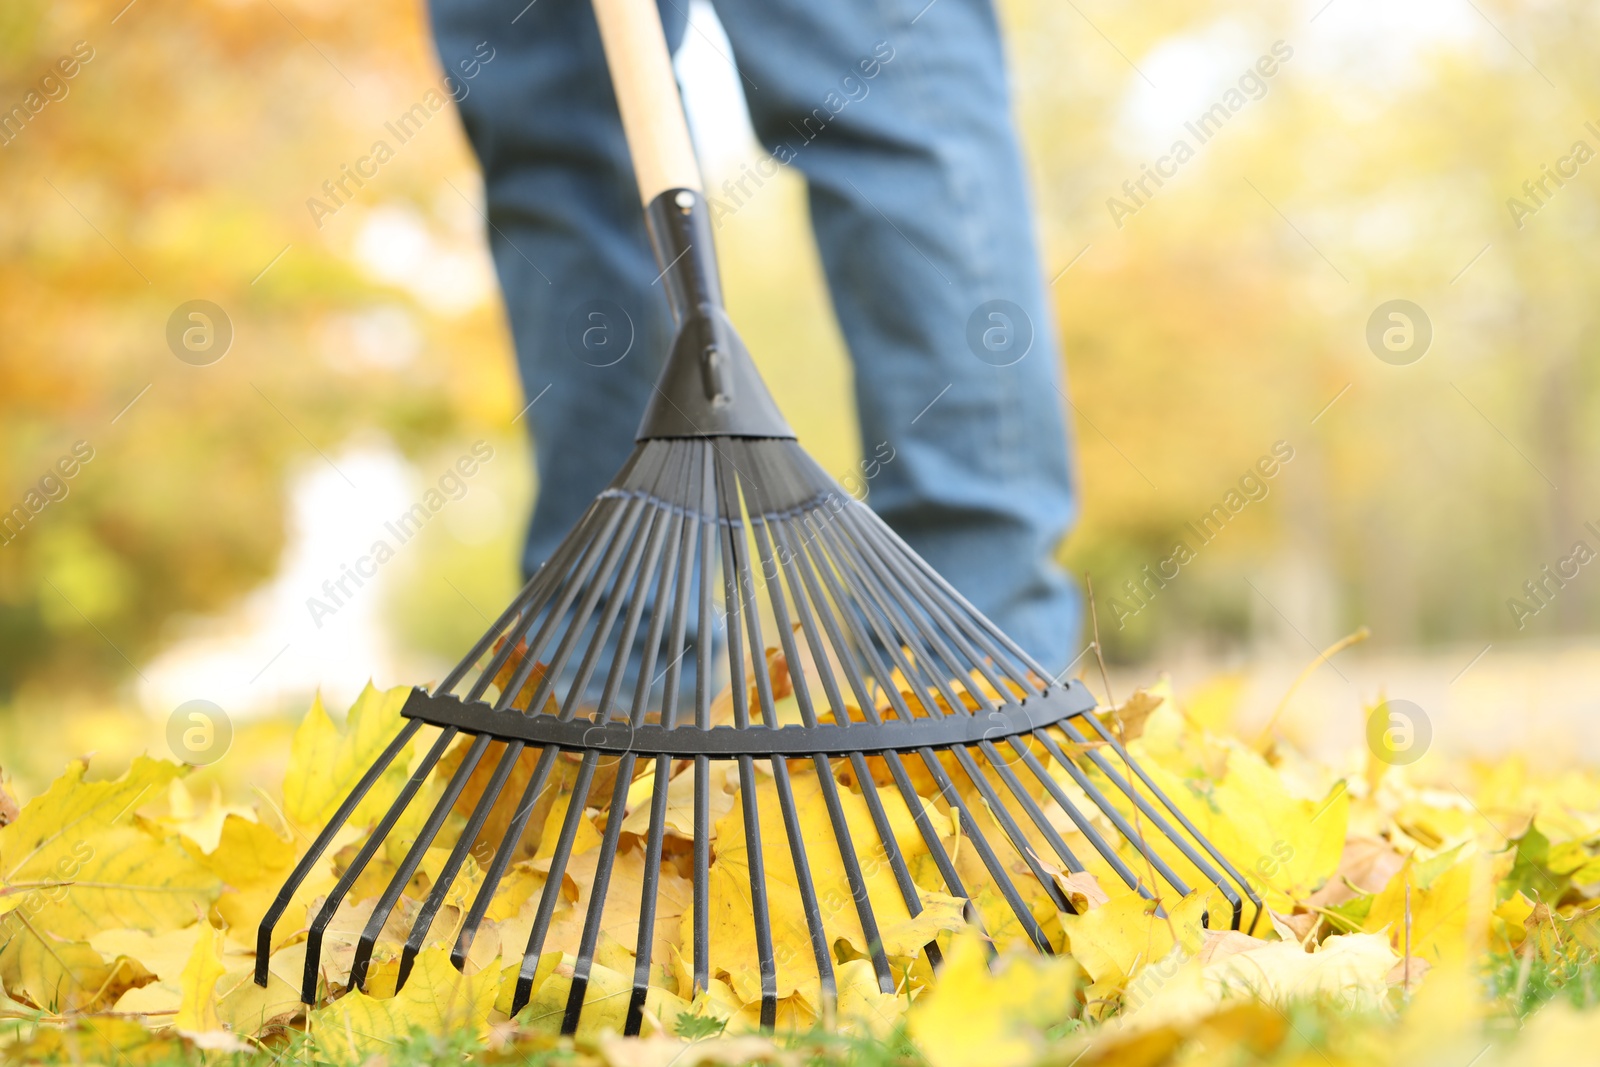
{"type": "Point", "coordinates": [721, 556]}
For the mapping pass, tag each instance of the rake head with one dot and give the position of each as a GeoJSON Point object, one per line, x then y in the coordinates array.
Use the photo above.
{"type": "Point", "coordinates": [896, 702]}
{"type": "Point", "coordinates": [777, 746]}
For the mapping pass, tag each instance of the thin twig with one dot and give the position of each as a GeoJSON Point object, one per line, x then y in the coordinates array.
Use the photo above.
{"type": "Point", "coordinates": [1311, 668]}
{"type": "Point", "coordinates": [1406, 983]}
{"type": "Point", "coordinates": [1094, 621]}
{"type": "Point", "coordinates": [1122, 741]}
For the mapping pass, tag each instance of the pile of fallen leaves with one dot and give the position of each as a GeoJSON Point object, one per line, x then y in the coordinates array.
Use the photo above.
{"type": "Point", "coordinates": [1406, 918]}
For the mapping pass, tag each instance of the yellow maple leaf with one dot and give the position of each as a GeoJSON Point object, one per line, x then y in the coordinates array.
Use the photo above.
{"type": "Point", "coordinates": [252, 860]}
{"type": "Point", "coordinates": [246, 1008]}
{"type": "Point", "coordinates": [1115, 940]}
{"type": "Point", "coordinates": [1438, 907]}
{"type": "Point", "coordinates": [1349, 969]}
{"type": "Point", "coordinates": [977, 1018]}
{"type": "Point", "coordinates": [1285, 846]}
{"type": "Point", "coordinates": [54, 974]}
{"type": "Point", "coordinates": [865, 1009]}
{"type": "Point", "coordinates": [197, 1011]}
{"type": "Point", "coordinates": [605, 1000]}
{"type": "Point", "coordinates": [1347, 972]}
{"type": "Point", "coordinates": [619, 921]}
{"type": "Point", "coordinates": [680, 801]}
{"type": "Point", "coordinates": [94, 866]}
{"type": "Point", "coordinates": [1507, 927]}
{"type": "Point", "coordinates": [732, 933]}
{"type": "Point", "coordinates": [163, 955]}
{"type": "Point", "coordinates": [325, 762]}
{"type": "Point", "coordinates": [437, 999]}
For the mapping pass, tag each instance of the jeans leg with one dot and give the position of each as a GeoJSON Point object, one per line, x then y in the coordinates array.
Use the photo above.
{"type": "Point", "coordinates": [898, 114]}
{"type": "Point", "coordinates": [568, 239]}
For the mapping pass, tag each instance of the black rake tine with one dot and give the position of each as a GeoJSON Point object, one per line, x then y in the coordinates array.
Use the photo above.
{"type": "Point", "coordinates": [683, 561]}
{"type": "Point", "coordinates": [758, 646]}
{"type": "Point", "coordinates": [702, 654]}
{"type": "Point", "coordinates": [939, 582]}
{"type": "Point", "coordinates": [759, 913]}
{"type": "Point", "coordinates": [805, 585]}
{"type": "Point", "coordinates": [733, 605]}
{"type": "Point", "coordinates": [502, 856]}
{"type": "Point", "coordinates": [802, 587]}
{"type": "Point", "coordinates": [1008, 825]}
{"type": "Point", "coordinates": [413, 860]}
{"type": "Point", "coordinates": [938, 612]}
{"type": "Point", "coordinates": [595, 916]}
{"type": "Point", "coordinates": [647, 900]}
{"type": "Point", "coordinates": [1079, 819]}
{"type": "Point", "coordinates": [702, 875]}
{"type": "Point", "coordinates": [771, 576]}
{"type": "Point", "coordinates": [510, 621]}
{"type": "Point", "coordinates": [923, 620]}
{"type": "Point", "coordinates": [807, 885]}
{"type": "Point", "coordinates": [341, 815]}
{"type": "Point", "coordinates": [609, 545]}
{"type": "Point", "coordinates": [1183, 820]}
{"type": "Point", "coordinates": [830, 790]}
{"type": "Point", "coordinates": [552, 885]}
{"type": "Point", "coordinates": [852, 615]}
{"type": "Point", "coordinates": [704, 487]}
{"type": "Point", "coordinates": [986, 853]}
{"type": "Point", "coordinates": [854, 874]}
{"type": "Point", "coordinates": [1129, 832]}
{"type": "Point", "coordinates": [919, 677]}
{"type": "Point", "coordinates": [930, 837]}
{"type": "Point", "coordinates": [960, 610]}
{"type": "Point", "coordinates": [380, 832]}
{"type": "Point", "coordinates": [841, 644]}
{"type": "Point", "coordinates": [458, 855]}
{"type": "Point", "coordinates": [891, 847]}
{"type": "Point", "coordinates": [780, 767]}
{"type": "Point", "coordinates": [883, 592]}
{"type": "Point", "coordinates": [627, 543]}
{"type": "Point", "coordinates": [891, 758]}
{"type": "Point", "coordinates": [535, 594]}
{"type": "Point", "coordinates": [1019, 789]}
{"type": "Point", "coordinates": [673, 524]}
{"type": "Point", "coordinates": [569, 584]}
{"type": "Point", "coordinates": [878, 615]}
{"type": "Point", "coordinates": [641, 554]}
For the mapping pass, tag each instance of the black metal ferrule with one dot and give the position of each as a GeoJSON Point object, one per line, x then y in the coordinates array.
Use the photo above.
{"type": "Point", "coordinates": [709, 386]}
{"type": "Point", "coordinates": [680, 235]}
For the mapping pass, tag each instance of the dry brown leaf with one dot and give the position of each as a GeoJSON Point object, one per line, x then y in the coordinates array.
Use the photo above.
{"type": "Point", "coordinates": [1132, 714]}
{"type": "Point", "coordinates": [1082, 889]}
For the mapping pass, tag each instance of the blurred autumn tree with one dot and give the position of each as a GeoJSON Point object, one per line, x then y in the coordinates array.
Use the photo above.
{"type": "Point", "coordinates": [177, 167]}
{"type": "Point", "coordinates": [1232, 307]}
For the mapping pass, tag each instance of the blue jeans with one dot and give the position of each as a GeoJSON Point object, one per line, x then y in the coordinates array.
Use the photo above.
{"type": "Point", "coordinates": [898, 116]}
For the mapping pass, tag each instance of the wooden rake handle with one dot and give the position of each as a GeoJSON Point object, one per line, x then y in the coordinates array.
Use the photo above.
{"type": "Point", "coordinates": [647, 96]}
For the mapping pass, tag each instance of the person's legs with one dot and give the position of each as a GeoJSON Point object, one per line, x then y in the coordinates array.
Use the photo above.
{"type": "Point", "coordinates": [898, 114]}
{"type": "Point", "coordinates": [568, 239]}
